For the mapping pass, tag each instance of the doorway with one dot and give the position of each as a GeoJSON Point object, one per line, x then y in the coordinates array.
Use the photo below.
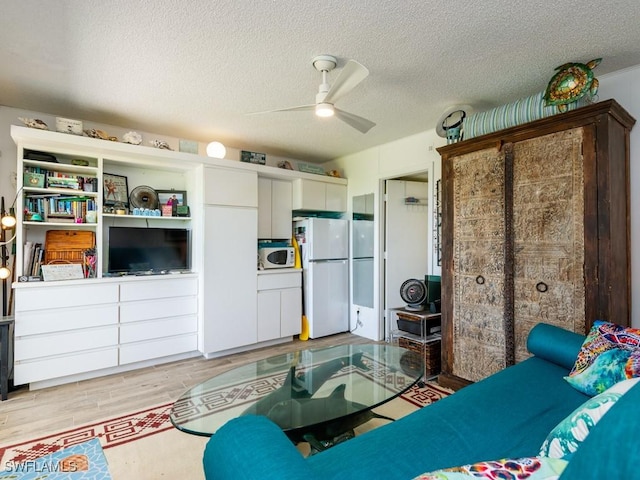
{"type": "Point", "coordinates": [406, 238]}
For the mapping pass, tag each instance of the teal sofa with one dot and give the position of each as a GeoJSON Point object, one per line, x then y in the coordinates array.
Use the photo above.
{"type": "Point", "coordinates": [506, 415]}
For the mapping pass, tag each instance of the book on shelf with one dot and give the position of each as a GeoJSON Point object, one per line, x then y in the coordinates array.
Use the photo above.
{"type": "Point", "coordinates": [33, 257]}
{"type": "Point", "coordinates": [58, 208]}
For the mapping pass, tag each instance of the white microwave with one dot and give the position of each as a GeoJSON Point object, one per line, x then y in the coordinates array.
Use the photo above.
{"type": "Point", "coordinates": [276, 257]}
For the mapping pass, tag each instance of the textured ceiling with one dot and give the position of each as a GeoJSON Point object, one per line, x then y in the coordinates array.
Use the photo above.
{"type": "Point", "coordinates": [194, 68]}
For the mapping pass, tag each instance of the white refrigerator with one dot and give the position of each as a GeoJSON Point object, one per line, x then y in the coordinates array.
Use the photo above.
{"type": "Point", "coordinates": [325, 251]}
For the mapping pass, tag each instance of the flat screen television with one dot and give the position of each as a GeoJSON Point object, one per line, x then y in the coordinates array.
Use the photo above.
{"type": "Point", "coordinates": [135, 250]}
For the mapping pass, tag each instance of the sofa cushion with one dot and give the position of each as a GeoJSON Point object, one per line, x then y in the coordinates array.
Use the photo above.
{"type": "Point", "coordinates": [610, 353]}
{"type": "Point", "coordinates": [611, 448]}
{"type": "Point", "coordinates": [554, 344]}
{"type": "Point", "coordinates": [454, 431]}
{"type": "Point", "coordinates": [528, 468]}
{"type": "Point", "coordinates": [567, 436]}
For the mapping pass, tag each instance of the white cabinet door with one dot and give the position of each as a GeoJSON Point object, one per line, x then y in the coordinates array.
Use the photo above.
{"type": "Point", "coordinates": [290, 312]}
{"type": "Point", "coordinates": [230, 187]}
{"type": "Point", "coordinates": [229, 272]}
{"type": "Point", "coordinates": [323, 196]}
{"type": "Point", "coordinates": [336, 197]}
{"type": "Point", "coordinates": [274, 209]}
{"type": "Point", "coordinates": [309, 195]}
{"type": "Point", "coordinates": [264, 208]}
{"type": "Point", "coordinates": [281, 205]}
{"type": "Point", "coordinates": [268, 315]}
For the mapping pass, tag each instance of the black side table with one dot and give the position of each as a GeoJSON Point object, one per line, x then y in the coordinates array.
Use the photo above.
{"type": "Point", "coordinates": [6, 354]}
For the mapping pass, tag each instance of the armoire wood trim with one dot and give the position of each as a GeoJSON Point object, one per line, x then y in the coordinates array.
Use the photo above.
{"type": "Point", "coordinates": [509, 281]}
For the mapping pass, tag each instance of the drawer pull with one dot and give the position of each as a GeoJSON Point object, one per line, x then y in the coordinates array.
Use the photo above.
{"type": "Point", "coordinates": [480, 280]}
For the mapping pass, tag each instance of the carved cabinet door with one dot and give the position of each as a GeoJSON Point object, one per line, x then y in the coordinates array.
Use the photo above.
{"type": "Point", "coordinates": [478, 264]}
{"type": "Point", "coordinates": [548, 234]}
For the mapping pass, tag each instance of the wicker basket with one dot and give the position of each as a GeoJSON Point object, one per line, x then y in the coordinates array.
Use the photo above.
{"type": "Point", "coordinates": [429, 350]}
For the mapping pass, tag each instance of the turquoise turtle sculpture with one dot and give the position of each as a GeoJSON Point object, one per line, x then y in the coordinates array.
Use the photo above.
{"type": "Point", "coordinates": [572, 82]}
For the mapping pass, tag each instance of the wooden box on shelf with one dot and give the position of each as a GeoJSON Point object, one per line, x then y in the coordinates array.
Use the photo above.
{"type": "Point", "coordinates": [68, 246]}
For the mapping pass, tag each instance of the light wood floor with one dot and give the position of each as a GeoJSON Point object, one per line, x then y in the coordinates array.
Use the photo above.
{"type": "Point", "coordinates": [30, 414]}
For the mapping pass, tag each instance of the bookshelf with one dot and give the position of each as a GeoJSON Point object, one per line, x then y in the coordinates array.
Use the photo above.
{"type": "Point", "coordinates": [61, 188]}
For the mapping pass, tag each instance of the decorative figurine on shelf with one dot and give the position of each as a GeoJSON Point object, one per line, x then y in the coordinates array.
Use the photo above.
{"type": "Point", "coordinates": [95, 133]}
{"type": "Point", "coordinates": [160, 144]}
{"type": "Point", "coordinates": [572, 82]}
{"type": "Point", "coordinates": [134, 138]}
{"type": "Point", "coordinates": [34, 123]}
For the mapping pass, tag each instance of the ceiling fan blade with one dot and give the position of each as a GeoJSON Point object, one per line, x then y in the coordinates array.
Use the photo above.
{"type": "Point", "coordinates": [361, 124]}
{"type": "Point", "coordinates": [350, 76]}
{"type": "Point", "coordinates": [289, 109]}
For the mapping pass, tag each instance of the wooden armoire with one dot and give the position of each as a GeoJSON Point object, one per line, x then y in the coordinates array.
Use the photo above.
{"type": "Point", "coordinates": [535, 228]}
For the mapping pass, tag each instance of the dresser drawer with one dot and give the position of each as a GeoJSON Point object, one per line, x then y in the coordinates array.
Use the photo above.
{"type": "Point", "coordinates": [53, 296]}
{"type": "Point", "coordinates": [56, 367]}
{"type": "Point", "coordinates": [169, 286]}
{"type": "Point", "coordinates": [165, 308]}
{"type": "Point", "coordinates": [166, 327]}
{"type": "Point", "coordinates": [137, 352]}
{"type": "Point", "coordinates": [57, 320]}
{"type": "Point", "coordinates": [38, 346]}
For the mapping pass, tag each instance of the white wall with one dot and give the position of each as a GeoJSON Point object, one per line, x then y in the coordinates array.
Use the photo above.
{"type": "Point", "coordinates": [624, 87]}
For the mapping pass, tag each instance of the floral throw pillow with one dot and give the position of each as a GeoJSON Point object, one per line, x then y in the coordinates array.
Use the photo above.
{"type": "Point", "coordinates": [563, 441]}
{"type": "Point", "coordinates": [528, 468]}
{"type": "Point", "coordinates": [609, 354]}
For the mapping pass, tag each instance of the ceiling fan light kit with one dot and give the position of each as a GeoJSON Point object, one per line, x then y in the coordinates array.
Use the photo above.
{"type": "Point", "coordinates": [324, 110]}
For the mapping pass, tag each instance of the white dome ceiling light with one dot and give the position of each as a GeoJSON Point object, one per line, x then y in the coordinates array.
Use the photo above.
{"type": "Point", "coordinates": [216, 150]}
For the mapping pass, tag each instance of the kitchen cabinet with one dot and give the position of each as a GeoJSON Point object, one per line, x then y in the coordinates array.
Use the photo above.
{"type": "Point", "coordinates": [274, 208]}
{"type": "Point", "coordinates": [279, 304]}
{"type": "Point", "coordinates": [229, 278]}
{"type": "Point", "coordinates": [319, 196]}
{"type": "Point", "coordinates": [231, 187]}
{"type": "Point", "coordinates": [536, 229]}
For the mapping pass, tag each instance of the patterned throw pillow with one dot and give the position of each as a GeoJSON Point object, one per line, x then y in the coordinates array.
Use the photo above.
{"type": "Point", "coordinates": [609, 354]}
{"type": "Point", "coordinates": [566, 437]}
{"type": "Point", "coordinates": [528, 468]}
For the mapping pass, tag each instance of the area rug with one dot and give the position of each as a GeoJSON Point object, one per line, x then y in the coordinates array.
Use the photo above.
{"type": "Point", "coordinates": [81, 461]}
{"type": "Point", "coordinates": [145, 445]}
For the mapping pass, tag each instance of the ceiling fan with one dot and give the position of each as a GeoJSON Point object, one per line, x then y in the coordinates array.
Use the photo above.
{"type": "Point", "coordinates": [350, 76]}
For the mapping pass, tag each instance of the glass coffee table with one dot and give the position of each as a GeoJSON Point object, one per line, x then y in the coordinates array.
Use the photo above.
{"type": "Point", "coordinates": [316, 395]}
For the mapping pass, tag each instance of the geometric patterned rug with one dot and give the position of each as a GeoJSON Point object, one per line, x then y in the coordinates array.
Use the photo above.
{"type": "Point", "coordinates": [423, 396]}
{"type": "Point", "coordinates": [134, 426]}
{"type": "Point", "coordinates": [110, 433]}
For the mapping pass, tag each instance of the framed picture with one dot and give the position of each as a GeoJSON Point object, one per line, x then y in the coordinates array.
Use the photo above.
{"type": "Point", "coordinates": [174, 198]}
{"type": "Point", "coordinates": [116, 190]}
